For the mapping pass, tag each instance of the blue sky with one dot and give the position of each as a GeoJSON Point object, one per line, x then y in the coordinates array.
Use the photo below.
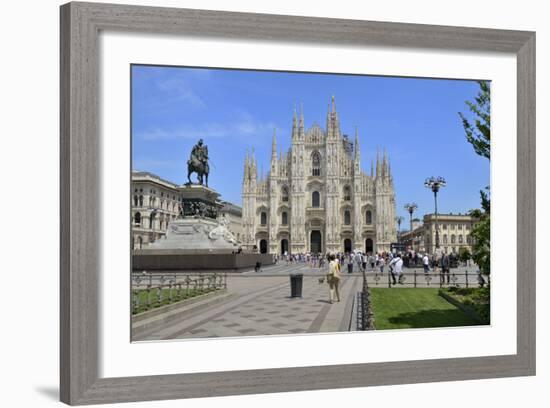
{"type": "Point", "coordinates": [416, 120]}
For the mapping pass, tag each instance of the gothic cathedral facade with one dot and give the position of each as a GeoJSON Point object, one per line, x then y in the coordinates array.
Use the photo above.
{"type": "Point", "coordinates": [316, 198]}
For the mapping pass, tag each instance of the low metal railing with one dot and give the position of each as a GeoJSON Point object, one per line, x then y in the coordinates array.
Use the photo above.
{"type": "Point", "coordinates": [151, 290]}
{"type": "Point", "coordinates": [419, 278]}
{"type": "Point", "coordinates": [365, 314]}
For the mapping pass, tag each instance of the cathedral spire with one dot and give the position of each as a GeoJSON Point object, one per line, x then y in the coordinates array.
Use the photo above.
{"type": "Point", "coordinates": [385, 163]}
{"type": "Point", "coordinates": [357, 153]}
{"type": "Point", "coordinates": [329, 121]}
{"type": "Point", "coordinates": [301, 132]}
{"type": "Point", "coordinates": [253, 167]}
{"type": "Point", "coordinates": [378, 164]}
{"type": "Point", "coordinates": [333, 126]}
{"type": "Point", "coordinates": [294, 124]}
{"type": "Point", "coordinates": [274, 164]}
{"type": "Point", "coordinates": [335, 120]}
{"type": "Point", "coordinates": [274, 145]}
{"type": "Point", "coordinates": [371, 168]}
{"type": "Point", "coordinates": [246, 168]}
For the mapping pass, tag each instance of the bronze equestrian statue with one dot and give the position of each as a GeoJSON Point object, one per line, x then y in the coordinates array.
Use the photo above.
{"type": "Point", "coordinates": [198, 163]}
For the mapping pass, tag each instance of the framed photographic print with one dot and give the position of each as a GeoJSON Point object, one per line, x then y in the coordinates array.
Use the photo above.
{"type": "Point", "coordinates": [234, 183]}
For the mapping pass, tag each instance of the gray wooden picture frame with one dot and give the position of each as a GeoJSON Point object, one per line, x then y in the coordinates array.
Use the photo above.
{"type": "Point", "coordinates": [81, 24]}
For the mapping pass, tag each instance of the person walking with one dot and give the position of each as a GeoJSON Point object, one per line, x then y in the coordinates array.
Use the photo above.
{"type": "Point", "coordinates": [396, 269]}
{"type": "Point", "coordinates": [435, 263]}
{"type": "Point", "coordinates": [360, 260]}
{"type": "Point", "coordinates": [333, 278]}
{"type": "Point", "coordinates": [426, 263]}
{"type": "Point", "coordinates": [445, 264]}
{"type": "Point", "coordinates": [381, 264]}
{"type": "Point", "coordinates": [350, 262]}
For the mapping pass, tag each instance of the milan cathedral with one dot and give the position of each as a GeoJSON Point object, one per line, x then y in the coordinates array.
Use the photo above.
{"type": "Point", "coordinates": [316, 198]}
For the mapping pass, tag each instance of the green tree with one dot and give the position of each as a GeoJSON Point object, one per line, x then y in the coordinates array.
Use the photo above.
{"type": "Point", "coordinates": [481, 235]}
{"type": "Point", "coordinates": [464, 255]}
{"type": "Point", "coordinates": [478, 134]}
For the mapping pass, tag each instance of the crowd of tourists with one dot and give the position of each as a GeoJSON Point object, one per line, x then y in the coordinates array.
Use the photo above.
{"type": "Point", "coordinates": [380, 262]}
{"type": "Point", "coordinates": [361, 261]}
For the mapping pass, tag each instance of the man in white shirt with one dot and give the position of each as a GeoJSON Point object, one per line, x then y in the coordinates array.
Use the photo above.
{"type": "Point", "coordinates": [426, 263]}
{"type": "Point", "coordinates": [359, 261]}
{"type": "Point", "coordinates": [396, 269]}
{"type": "Point", "coordinates": [350, 260]}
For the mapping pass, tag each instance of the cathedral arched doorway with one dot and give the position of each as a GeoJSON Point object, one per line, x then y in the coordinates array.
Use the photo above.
{"type": "Point", "coordinates": [284, 246]}
{"type": "Point", "coordinates": [316, 242]}
{"type": "Point", "coordinates": [263, 246]}
{"type": "Point", "coordinates": [347, 245]}
{"type": "Point", "coordinates": [369, 245]}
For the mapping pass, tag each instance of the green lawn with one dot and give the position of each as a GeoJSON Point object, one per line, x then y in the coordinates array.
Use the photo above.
{"type": "Point", "coordinates": [149, 299]}
{"type": "Point", "coordinates": [405, 308]}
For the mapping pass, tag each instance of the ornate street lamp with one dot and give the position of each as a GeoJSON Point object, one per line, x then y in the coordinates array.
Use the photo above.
{"type": "Point", "coordinates": [411, 207]}
{"type": "Point", "coordinates": [434, 184]}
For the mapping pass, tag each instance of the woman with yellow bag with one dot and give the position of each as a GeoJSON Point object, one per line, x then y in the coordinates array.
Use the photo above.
{"type": "Point", "coordinates": [333, 278]}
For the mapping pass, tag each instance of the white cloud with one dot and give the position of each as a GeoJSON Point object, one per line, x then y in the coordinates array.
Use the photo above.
{"type": "Point", "coordinates": [243, 127]}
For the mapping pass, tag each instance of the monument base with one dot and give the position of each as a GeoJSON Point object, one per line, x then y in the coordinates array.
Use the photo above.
{"type": "Point", "coordinates": [187, 260]}
{"type": "Point", "coordinates": [198, 235]}
{"type": "Point", "coordinates": [198, 240]}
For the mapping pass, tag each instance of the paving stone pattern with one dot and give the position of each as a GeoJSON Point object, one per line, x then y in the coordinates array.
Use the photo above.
{"type": "Point", "coordinates": [263, 306]}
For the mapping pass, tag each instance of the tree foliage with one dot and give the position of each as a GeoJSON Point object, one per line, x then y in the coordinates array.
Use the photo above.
{"type": "Point", "coordinates": [481, 234]}
{"type": "Point", "coordinates": [464, 255]}
{"type": "Point", "coordinates": [478, 133]}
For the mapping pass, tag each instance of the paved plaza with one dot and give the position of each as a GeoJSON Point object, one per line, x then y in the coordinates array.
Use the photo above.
{"type": "Point", "coordinates": [259, 303]}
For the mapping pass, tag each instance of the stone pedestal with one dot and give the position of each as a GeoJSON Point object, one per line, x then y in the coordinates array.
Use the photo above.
{"type": "Point", "coordinates": [198, 228]}
{"type": "Point", "coordinates": [197, 240]}
{"type": "Point", "coordinates": [197, 235]}
{"type": "Point", "coordinates": [199, 201]}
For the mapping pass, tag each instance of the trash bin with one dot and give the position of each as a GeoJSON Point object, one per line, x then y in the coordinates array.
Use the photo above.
{"type": "Point", "coordinates": [296, 284]}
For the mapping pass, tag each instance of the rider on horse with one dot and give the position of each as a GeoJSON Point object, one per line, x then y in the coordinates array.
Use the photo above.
{"type": "Point", "coordinates": [198, 162]}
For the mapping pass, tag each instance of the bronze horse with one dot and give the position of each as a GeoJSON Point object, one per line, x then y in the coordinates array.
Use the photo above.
{"type": "Point", "coordinates": [202, 170]}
